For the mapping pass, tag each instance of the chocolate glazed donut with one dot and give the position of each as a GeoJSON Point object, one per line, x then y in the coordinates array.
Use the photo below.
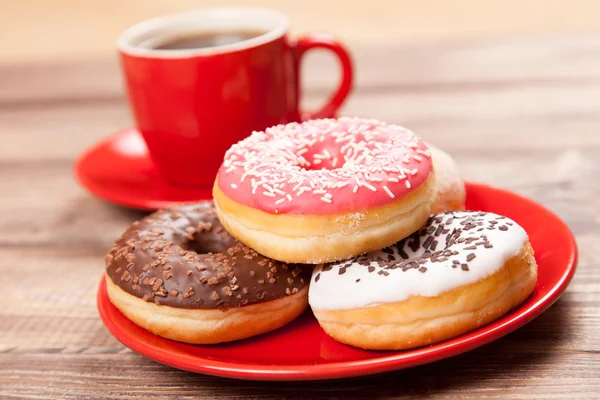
{"type": "Point", "coordinates": [180, 275]}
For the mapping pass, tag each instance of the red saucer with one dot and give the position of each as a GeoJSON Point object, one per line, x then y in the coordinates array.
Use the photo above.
{"type": "Point", "coordinates": [302, 351]}
{"type": "Point", "coordinates": [119, 170]}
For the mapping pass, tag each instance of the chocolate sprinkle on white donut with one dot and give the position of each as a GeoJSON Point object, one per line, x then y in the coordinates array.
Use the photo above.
{"type": "Point", "coordinates": [423, 264]}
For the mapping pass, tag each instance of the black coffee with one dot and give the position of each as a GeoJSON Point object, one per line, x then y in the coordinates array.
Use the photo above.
{"type": "Point", "coordinates": [207, 39]}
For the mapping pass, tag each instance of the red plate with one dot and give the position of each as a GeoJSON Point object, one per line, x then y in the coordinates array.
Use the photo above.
{"type": "Point", "coordinates": [302, 351]}
{"type": "Point", "coordinates": [119, 169]}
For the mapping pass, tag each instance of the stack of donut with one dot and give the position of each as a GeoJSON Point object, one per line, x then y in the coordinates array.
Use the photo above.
{"type": "Point", "coordinates": [360, 219]}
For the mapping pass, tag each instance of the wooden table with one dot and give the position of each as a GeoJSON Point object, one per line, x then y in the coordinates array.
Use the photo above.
{"type": "Point", "coordinates": [521, 113]}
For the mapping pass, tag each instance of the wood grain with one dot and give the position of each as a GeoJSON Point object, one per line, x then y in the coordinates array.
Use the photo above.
{"type": "Point", "coordinates": [518, 113]}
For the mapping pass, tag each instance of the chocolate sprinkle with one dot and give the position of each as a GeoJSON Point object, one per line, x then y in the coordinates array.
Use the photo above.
{"type": "Point", "coordinates": [427, 242]}
{"type": "Point", "coordinates": [429, 251]}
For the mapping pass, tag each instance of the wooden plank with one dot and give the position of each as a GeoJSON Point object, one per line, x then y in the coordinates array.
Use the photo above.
{"type": "Point", "coordinates": [82, 28]}
{"type": "Point", "coordinates": [531, 374]}
{"type": "Point", "coordinates": [564, 116]}
{"type": "Point", "coordinates": [439, 67]}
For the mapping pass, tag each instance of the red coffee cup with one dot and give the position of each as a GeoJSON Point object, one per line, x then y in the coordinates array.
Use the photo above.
{"type": "Point", "coordinates": [192, 104]}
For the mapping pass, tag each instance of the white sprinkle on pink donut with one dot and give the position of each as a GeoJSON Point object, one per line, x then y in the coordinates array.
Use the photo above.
{"type": "Point", "coordinates": [324, 167]}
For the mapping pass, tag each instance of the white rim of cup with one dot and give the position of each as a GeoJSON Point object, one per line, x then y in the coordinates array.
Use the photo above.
{"type": "Point", "coordinates": [142, 38]}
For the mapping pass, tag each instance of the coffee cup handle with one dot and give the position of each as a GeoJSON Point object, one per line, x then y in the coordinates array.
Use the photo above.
{"type": "Point", "coordinates": [325, 41]}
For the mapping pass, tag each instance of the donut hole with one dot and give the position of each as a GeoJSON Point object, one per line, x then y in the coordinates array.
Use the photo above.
{"type": "Point", "coordinates": [205, 244]}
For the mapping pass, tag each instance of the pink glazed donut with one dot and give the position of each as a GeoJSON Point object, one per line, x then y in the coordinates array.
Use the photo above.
{"type": "Point", "coordinates": [325, 190]}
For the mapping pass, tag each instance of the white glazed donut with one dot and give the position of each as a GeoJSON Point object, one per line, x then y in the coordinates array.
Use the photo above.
{"type": "Point", "coordinates": [460, 271]}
